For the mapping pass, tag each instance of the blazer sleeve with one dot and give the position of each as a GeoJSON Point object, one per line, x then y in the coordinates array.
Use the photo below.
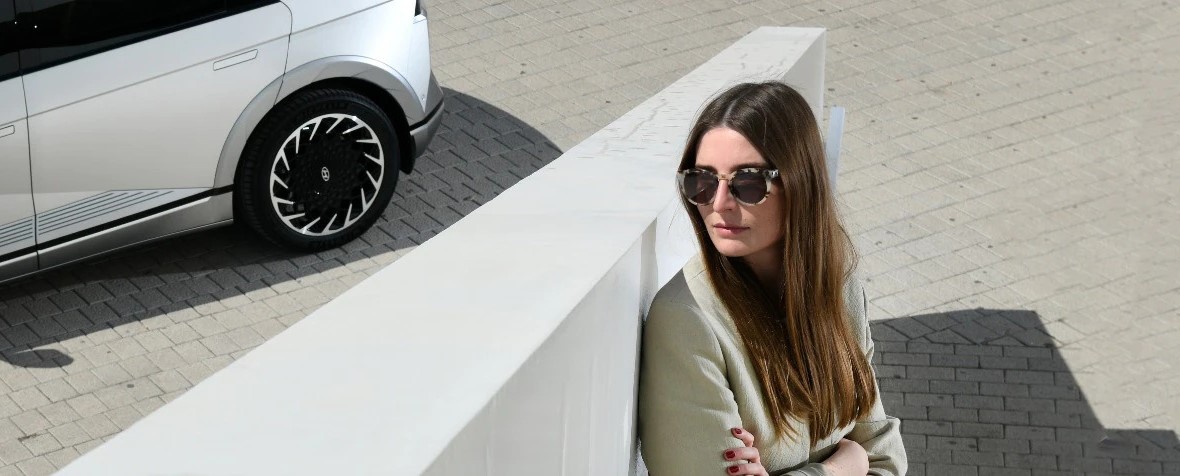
{"type": "Point", "coordinates": [686, 408]}
{"type": "Point", "coordinates": [879, 434]}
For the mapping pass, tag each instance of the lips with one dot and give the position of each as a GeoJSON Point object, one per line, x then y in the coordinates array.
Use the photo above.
{"type": "Point", "coordinates": [729, 231]}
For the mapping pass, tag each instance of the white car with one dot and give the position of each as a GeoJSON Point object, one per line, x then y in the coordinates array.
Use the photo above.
{"type": "Point", "coordinates": [124, 121]}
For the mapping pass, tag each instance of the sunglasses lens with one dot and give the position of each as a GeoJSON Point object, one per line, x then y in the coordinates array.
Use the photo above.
{"type": "Point", "coordinates": [698, 187]}
{"type": "Point", "coordinates": [748, 187]}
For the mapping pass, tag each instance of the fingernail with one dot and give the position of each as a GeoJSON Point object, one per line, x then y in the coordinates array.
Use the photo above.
{"type": "Point", "coordinates": [730, 454]}
{"type": "Point", "coordinates": [733, 469]}
{"type": "Point", "coordinates": [737, 431]}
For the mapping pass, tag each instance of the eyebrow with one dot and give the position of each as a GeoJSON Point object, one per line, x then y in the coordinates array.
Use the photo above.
{"type": "Point", "coordinates": [748, 165]}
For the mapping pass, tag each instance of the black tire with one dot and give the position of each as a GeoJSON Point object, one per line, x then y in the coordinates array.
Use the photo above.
{"type": "Point", "coordinates": [310, 165]}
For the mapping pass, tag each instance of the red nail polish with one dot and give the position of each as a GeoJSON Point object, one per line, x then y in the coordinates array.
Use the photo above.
{"type": "Point", "coordinates": [733, 469]}
{"type": "Point", "coordinates": [737, 431]}
{"type": "Point", "coordinates": [730, 454]}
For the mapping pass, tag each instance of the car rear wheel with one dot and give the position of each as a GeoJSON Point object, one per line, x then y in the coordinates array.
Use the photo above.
{"type": "Point", "coordinates": [319, 170]}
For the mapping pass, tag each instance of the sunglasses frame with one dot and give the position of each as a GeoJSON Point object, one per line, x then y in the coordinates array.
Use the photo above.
{"type": "Point", "coordinates": [767, 174]}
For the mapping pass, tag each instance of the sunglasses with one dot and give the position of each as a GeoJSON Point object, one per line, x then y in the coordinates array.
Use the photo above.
{"type": "Point", "coordinates": [748, 186]}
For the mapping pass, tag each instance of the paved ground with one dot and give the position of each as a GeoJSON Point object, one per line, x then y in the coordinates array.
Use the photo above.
{"type": "Point", "coordinates": [1008, 175]}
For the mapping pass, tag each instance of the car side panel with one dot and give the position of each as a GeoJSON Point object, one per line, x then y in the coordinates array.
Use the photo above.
{"type": "Point", "coordinates": [16, 199]}
{"type": "Point", "coordinates": [197, 212]}
{"type": "Point", "coordinates": [151, 115]}
{"type": "Point", "coordinates": [17, 256]}
{"type": "Point", "coordinates": [310, 13]}
{"type": "Point", "coordinates": [418, 67]}
{"type": "Point", "coordinates": [383, 34]}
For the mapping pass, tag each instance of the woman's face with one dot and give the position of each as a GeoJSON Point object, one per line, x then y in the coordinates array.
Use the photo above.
{"type": "Point", "coordinates": [753, 232]}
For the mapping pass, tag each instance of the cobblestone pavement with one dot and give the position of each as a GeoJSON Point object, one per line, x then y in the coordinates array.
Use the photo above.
{"type": "Point", "coordinates": [1008, 175]}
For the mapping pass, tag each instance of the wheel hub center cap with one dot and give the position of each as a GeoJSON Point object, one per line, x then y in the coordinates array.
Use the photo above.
{"type": "Point", "coordinates": [324, 174]}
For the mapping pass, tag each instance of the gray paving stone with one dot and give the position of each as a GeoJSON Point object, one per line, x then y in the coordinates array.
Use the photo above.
{"type": "Point", "coordinates": [929, 400]}
{"type": "Point", "coordinates": [979, 401]}
{"type": "Point", "coordinates": [196, 372]}
{"type": "Point", "coordinates": [1030, 404]}
{"type": "Point", "coordinates": [193, 352]}
{"type": "Point", "coordinates": [955, 388]}
{"type": "Point", "coordinates": [906, 359]}
{"type": "Point", "coordinates": [978, 430]}
{"type": "Point", "coordinates": [36, 466]}
{"type": "Point", "coordinates": [57, 390]}
{"type": "Point", "coordinates": [97, 426]}
{"type": "Point", "coordinates": [980, 375]}
{"type": "Point", "coordinates": [62, 457]}
{"type": "Point", "coordinates": [1031, 461]}
{"type": "Point", "coordinates": [58, 413]}
{"type": "Point", "coordinates": [940, 468]}
{"type": "Point", "coordinates": [904, 385]}
{"type": "Point", "coordinates": [219, 344]}
{"type": "Point", "coordinates": [29, 398]}
{"type": "Point", "coordinates": [921, 427]}
{"type": "Point", "coordinates": [978, 458]}
{"type": "Point", "coordinates": [86, 405]}
{"type": "Point", "coordinates": [123, 417]}
{"type": "Point", "coordinates": [9, 430]}
{"type": "Point", "coordinates": [1028, 432]}
{"type": "Point", "coordinates": [30, 422]}
{"type": "Point", "coordinates": [41, 443]}
{"type": "Point", "coordinates": [99, 355]}
{"type": "Point", "coordinates": [149, 405]}
{"type": "Point", "coordinates": [180, 333]}
{"type": "Point", "coordinates": [991, 362]}
{"type": "Point", "coordinates": [1064, 449]}
{"type": "Point", "coordinates": [969, 415]}
{"type": "Point", "coordinates": [111, 374]}
{"type": "Point", "coordinates": [114, 396]}
{"type": "Point", "coordinates": [994, 471]}
{"type": "Point", "coordinates": [959, 361]}
{"type": "Point", "coordinates": [13, 451]}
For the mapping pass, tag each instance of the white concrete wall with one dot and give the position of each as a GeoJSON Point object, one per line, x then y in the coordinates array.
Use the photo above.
{"type": "Point", "coordinates": [507, 344]}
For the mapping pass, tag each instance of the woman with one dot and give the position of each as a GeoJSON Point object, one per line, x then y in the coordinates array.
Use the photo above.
{"type": "Point", "coordinates": [765, 332]}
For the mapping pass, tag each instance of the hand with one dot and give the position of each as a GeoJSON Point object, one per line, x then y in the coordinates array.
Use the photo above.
{"type": "Point", "coordinates": [748, 453]}
{"type": "Point", "coordinates": [849, 459]}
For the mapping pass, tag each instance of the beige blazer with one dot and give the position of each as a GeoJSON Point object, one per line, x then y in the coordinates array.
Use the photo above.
{"type": "Point", "coordinates": [696, 382]}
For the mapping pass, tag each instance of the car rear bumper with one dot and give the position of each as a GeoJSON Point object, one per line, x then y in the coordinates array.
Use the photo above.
{"type": "Point", "coordinates": [422, 132]}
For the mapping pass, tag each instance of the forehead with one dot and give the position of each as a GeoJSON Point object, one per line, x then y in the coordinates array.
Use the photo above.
{"type": "Point", "coordinates": [724, 150]}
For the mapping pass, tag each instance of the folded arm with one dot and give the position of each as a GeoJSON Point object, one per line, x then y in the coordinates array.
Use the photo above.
{"type": "Point", "coordinates": [686, 407]}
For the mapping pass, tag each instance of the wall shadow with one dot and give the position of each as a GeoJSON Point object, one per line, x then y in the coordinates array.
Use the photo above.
{"type": "Point", "coordinates": [479, 151]}
{"type": "Point", "coordinates": [987, 392]}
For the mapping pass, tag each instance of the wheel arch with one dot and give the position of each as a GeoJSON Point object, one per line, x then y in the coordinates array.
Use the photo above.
{"type": "Point", "coordinates": [366, 76]}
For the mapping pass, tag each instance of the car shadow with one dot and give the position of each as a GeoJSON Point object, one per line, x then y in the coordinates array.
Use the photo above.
{"type": "Point", "coordinates": [478, 152]}
{"type": "Point", "coordinates": [987, 392]}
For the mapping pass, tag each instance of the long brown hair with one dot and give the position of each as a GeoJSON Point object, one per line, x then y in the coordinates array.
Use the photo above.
{"type": "Point", "coordinates": [808, 362]}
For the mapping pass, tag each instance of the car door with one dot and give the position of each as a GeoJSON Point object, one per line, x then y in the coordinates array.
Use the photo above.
{"type": "Point", "coordinates": [17, 254]}
{"type": "Point", "coordinates": [131, 101]}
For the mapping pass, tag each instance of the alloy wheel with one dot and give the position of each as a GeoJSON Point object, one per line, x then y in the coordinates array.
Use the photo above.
{"type": "Point", "coordinates": [326, 174]}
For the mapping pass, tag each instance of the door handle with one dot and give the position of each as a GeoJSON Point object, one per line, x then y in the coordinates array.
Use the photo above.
{"type": "Point", "coordinates": [7, 131]}
{"type": "Point", "coordinates": [235, 59]}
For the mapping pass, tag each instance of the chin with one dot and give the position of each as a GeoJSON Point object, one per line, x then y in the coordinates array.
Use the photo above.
{"type": "Point", "coordinates": [731, 249]}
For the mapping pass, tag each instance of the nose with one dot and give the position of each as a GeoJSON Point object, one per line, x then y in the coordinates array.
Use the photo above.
{"type": "Point", "coordinates": [723, 200]}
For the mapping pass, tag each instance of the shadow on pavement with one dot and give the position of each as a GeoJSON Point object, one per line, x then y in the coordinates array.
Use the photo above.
{"type": "Point", "coordinates": [478, 152]}
{"type": "Point", "coordinates": [986, 392]}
